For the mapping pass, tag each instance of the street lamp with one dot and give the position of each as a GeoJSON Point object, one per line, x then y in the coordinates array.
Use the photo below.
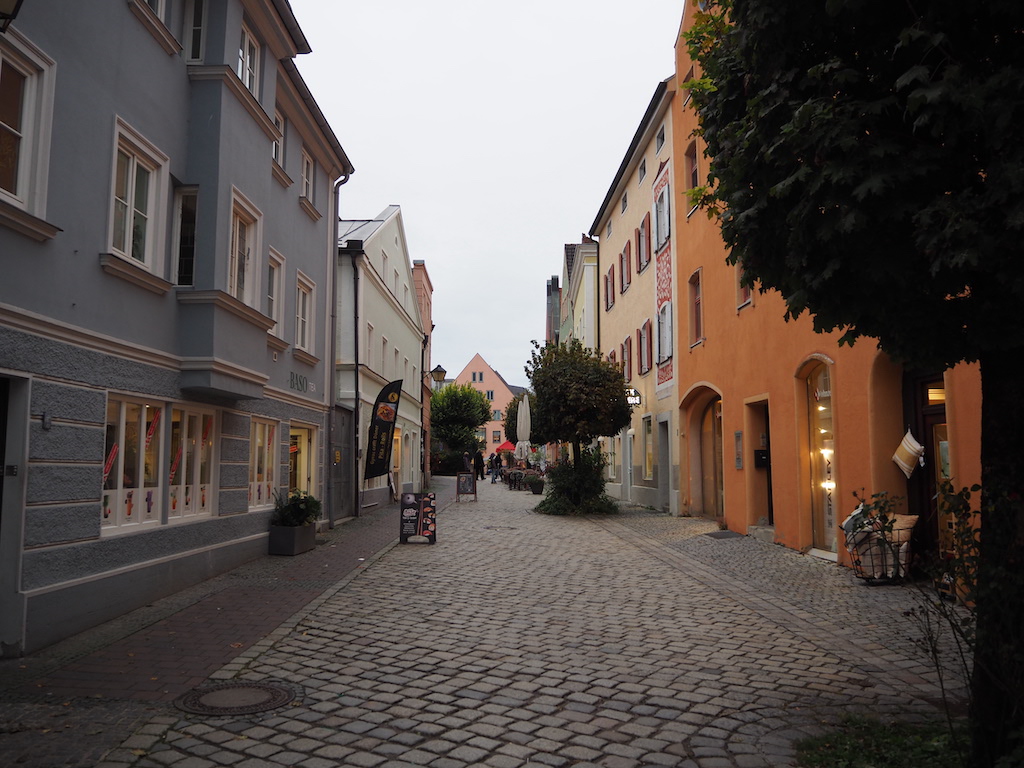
{"type": "Point", "coordinates": [438, 374]}
{"type": "Point", "coordinates": [8, 10]}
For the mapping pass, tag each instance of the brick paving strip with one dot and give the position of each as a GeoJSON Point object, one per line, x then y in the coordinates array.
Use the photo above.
{"type": "Point", "coordinates": [524, 640]}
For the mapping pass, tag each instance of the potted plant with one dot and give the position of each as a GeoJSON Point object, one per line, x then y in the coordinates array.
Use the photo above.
{"type": "Point", "coordinates": [535, 483]}
{"type": "Point", "coordinates": [293, 523]}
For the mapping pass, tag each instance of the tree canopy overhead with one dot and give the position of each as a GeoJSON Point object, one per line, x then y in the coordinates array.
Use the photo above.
{"type": "Point", "coordinates": [867, 163]}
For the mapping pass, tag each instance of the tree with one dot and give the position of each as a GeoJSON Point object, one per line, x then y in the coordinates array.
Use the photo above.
{"type": "Point", "coordinates": [867, 164]}
{"type": "Point", "coordinates": [456, 412]}
{"type": "Point", "coordinates": [579, 396]}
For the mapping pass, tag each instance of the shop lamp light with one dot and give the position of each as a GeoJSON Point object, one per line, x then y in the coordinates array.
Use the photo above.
{"type": "Point", "coordinates": [827, 449]}
{"type": "Point", "coordinates": [8, 11]}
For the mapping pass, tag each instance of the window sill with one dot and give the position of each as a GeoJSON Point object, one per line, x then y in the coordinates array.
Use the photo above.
{"type": "Point", "coordinates": [698, 342]}
{"type": "Point", "coordinates": [305, 357]}
{"type": "Point", "coordinates": [280, 175]}
{"type": "Point", "coordinates": [124, 269]}
{"type": "Point", "coordinates": [310, 209]}
{"type": "Point", "coordinates": [688, 215]}
{"type": "Point", "coordinates": [25, 223]}
{"type": "Point", "coordinates": [155, 26]}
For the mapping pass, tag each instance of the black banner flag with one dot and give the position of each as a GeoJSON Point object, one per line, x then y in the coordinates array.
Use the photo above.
{"type": "Point", "coordinates": [382, 430]}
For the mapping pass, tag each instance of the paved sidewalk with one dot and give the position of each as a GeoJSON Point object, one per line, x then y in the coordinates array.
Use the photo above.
{"type": "Point", "coordinates": [518, 639]}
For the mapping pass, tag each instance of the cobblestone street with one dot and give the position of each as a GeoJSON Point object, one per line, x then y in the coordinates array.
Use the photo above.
{"type": "Point", "coordinates": [520, 639]}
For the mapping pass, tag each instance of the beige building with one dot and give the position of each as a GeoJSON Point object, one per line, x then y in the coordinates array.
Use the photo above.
{"type": "Point", "coordinates": [636, 297]}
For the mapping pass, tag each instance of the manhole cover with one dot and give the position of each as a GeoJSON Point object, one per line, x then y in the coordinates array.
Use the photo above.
{"type": "Point", "coordinates": [724, 535]}
{"type": "Point", "coordinates": [234, 698]}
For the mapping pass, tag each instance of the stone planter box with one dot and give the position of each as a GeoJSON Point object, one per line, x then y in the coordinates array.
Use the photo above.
{"type": "Point", "coordinates": [291, 539]}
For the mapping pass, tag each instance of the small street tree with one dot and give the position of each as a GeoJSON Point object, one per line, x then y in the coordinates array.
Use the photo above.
{"type": "Point", "coordinates": [868, 165]}
{"type": "Point", "coordinates": [456, 412]}
{"type": "Point", "coordinates": [579, 396]}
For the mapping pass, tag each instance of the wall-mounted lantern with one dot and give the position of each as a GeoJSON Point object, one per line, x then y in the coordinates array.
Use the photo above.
{"type": "Point", "coordinates": [8, 11]}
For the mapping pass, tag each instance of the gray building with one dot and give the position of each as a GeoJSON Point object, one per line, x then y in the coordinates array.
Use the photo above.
{"type": "Point", "coordinates": [167, 236]}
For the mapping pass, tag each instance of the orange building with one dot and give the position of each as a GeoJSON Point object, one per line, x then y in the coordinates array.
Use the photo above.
{"type": "Point", "coordinates": [779, 425]}
{"type": "Point", "coordinates": [479, 375]}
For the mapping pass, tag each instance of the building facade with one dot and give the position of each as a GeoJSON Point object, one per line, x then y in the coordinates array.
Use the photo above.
{"type": "Point", "coordinates": [484, 379]}
{"type": "Point", "coordinates": [166, 231]}
{"type": "Point", "coordinates": [380, 338]}
{"type": "Point", "coordinates": [779, 425]}
{"type": "Point", "coordinates": [636, 296]}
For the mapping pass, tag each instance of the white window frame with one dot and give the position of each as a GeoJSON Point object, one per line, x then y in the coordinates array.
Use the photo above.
{"type": "Point", "coordinates": [262, 484]}
{"type": "Point", "coordinates": [644, 344]}
{"type": "Point", "coordinates": [624, 204]}
{"type": "Point", "coordinates": [304, 312]}
{"type": "Point", "coordinates": [195, 36]}
{"type": "Point", "coordinates": [179, 197]}
{"type": "Point", "coordinates": [642, 171]}
{"type": "Point", "coordinates": [244, 212]}
{"type": "Point", "coordinates": [659, 140]}
{"type": "Point", "coordinates": [662, 217]}
{"type": "Point", "coordinates": [130, 502]}
{"type": "Point", "coordinates": [248, 66]}
{"type": "Point", "coordinates": [665, 332]}
{"type": "Point", "coordinates": [275, 291]}
{"type": "Point", "coordinates": [277, 146]}
{"type": "Point", "coordinates": [36, 122]}
{"type": "Point", "coordinates": [308, 188]}
{"type": "Point", "coordinates": [190, 465]}
{"type": "Point", "coordinates": [696, 291]}
{"type": "Point", "coordinates": [138, 153]}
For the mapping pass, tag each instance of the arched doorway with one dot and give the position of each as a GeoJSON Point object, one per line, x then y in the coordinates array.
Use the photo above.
{"type": "Point", "coordinates": [821, 442]}
{"type": "Point", "coordinates": [711, 463]}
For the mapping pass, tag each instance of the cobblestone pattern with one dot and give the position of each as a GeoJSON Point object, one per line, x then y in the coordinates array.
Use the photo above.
{"type": "Point", "coordinates": [520, 639]}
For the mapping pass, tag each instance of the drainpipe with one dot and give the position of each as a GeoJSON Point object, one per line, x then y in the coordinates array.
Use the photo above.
{"type": "Point", "coordinates": [424, 444]}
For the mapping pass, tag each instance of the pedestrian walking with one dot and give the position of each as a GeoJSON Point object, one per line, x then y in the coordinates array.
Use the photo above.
{"type": "Point", "coordinates": [478, 462]}
{"type": "Point", "coordinates": [495, 464]}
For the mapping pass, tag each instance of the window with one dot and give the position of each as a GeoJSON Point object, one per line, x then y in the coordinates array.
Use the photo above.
{"type": "Point", "coordinates": [689, 75]}
{"type": "Point", "coordinates": [262, 463]}
{"type": "Point", "coordinates": [185, 235]}
{"type": "Point", "coordinates": [612, 357]}
{"type": "Point", "coordinates": [659, 140]}
{"type": "Point", "coordinates": [692, 171]}
{"type": "Point", "coordinates": [384, 264]}
{"type": "Point", "coordinates": [383, 355]}
{"type": "Point", "coordinates": [489, 394]}
{"type": "Point", "coordinates": [275, 276]}
{"type": "Point", "coordinates": [661, 218]}
{"type": "Point", "coordinates": [248, 61]}
{"type": "Point", "coordinates": [308, 177]}
{"type": "Point", "coordinates": [190, 464]}
{"type": "Point", "coordinates": [473, 374]}
{"type": "Point", "coordinates": [647, 436]}
{"type": "Point", "coordinates": [608, 230]}
{"type": "Point", "coordinates": [644, 348]}
{"type": "Point", "coordinates": [277, 148]}
{"type": "Point", "coordinates": [643, 244]}
{"type": "Point", "coordinates": [743, 292]}
{"type": "Point", "coordinates": [195, 12]}
{"type": "Point", "coordinates": [625, 268]}
{"type": "Point", "coordinates": [495, 415]}
{"type": "Point", "coordinates": [139, 179]}
{"type": "Point", "coordinates": [369, 346]}
{"type": "Point", "coordinates": [496, 436]}
{"type": "Point", "coordinates": [626, 351]}
{"type": "Point", "coordinates": [26, 107]}
{"type": "Point", "coordinates": [609, 288]}
{"type": "Point", "coordinates": [303, 313]}
{"type": "Point", "coordinates": [622, 208]}
{"type": "Point", "coordinates": [696, 311]}
{"type": "Point", "coordinates": [132, 494]}
{"type": "Point", "coordinates": [244, 244]}
{"type": "Point", "coordinates": [665, 332]}
{"type": "Point", "coordinates": [642, 171]}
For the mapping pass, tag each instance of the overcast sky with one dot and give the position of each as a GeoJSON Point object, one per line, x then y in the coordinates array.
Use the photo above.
{"type": "Point", "coordinates": [497, 127]}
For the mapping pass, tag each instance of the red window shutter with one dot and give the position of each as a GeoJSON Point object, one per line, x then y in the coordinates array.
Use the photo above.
{"type": "Point", "coordinates": [629, 261]}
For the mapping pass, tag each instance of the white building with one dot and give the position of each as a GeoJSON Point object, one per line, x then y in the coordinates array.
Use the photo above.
{"type": "Point", "coordinates": [380, 338]}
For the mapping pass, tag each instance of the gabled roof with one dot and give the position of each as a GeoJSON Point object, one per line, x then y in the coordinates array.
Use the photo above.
{"type": "Point", "coordinates": [661, 98]}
